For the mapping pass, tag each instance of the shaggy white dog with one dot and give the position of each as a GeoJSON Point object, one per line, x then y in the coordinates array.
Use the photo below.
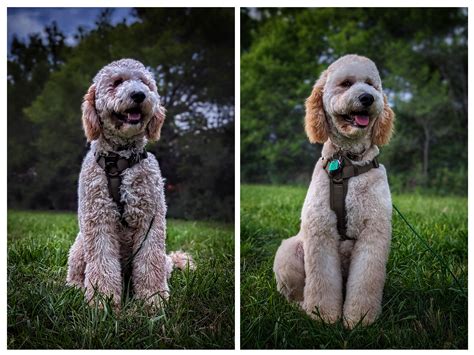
{"type": "Point", "coordinates": [122, 205]}
{"type": "Point", "coordinates": [332, 275]}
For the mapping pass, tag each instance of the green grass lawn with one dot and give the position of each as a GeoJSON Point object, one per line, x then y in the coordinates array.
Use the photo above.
{"type": "Point", "coordinates": [423, 305]}
{"type": "Point", "coordinates": [44, 313]}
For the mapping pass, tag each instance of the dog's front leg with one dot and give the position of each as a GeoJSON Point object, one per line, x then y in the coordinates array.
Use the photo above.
{"type": "Point", "coordinates": [103, 270]}
{"type": "Point", "coordinates": [367, 276]}
{"type": "Point", "coordinates": [98, 221]}
{"type": "Point", "coordinates": [323, 284]}
{"type": "Point", "coordinates": [151, 266]}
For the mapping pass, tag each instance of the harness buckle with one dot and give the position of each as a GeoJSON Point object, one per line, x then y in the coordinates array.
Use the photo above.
{"type": "Point", "coordinates": [111, 167]}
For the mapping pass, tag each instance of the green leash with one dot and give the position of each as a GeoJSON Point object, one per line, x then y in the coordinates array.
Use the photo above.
{"type": "Point", "coordinates": [143, 242]}
{"type": "Point", "coordinates": [429, 248]}
{"type": "Point", "coordinates": [127, 278]}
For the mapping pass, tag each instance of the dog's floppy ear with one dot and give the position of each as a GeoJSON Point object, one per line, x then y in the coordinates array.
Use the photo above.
{"type": "Point", "coordinates": [153, 129]}
{"type": "Point", "coordinates": [90, 120]}
{"type": "Point", "coordinates": [315, 120]}
{"type": "Point", "coordinates": [383, 127]}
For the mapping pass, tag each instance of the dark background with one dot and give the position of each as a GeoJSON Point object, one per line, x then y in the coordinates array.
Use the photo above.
{"type": "Point", "coordinates": [422, 58]}
{"type": "Point", "coordinates": [190, 51]}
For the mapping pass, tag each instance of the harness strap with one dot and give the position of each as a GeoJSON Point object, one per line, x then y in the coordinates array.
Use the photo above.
{"type": "Point", "coordinates": [338, 192]}
{"type": "Point", "coordinates": [113, 165]}
{"type": "Point", "coordinates": [339, 181]}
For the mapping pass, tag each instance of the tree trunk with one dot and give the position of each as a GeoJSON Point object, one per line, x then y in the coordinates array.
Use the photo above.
{"type": "Point", "coordinates": [426, 151]}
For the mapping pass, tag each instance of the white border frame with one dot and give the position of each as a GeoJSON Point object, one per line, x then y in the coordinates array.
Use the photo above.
{"type": "Point", "coordinates": [210, 3]}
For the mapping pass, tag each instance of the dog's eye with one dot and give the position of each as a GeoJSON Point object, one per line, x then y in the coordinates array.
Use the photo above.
{"type": "Point", "coordinates": [346, 84]}
{"type": "Point", "coordinates": [368, 82]}
{"type": "Point", "coordinates": [118, 82]}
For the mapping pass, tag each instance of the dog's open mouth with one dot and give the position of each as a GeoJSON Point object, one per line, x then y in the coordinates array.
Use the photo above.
{"type": "Point", "coordinates": [131, 116]}
{"type": "Point", "coordinates": [357, 119]}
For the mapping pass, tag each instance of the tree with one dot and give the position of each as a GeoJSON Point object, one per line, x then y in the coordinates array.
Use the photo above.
{"type": "Point", "coordinates": [29, 67]}
{"type": "Point", "coordinates": [421, 55]}
{"type": "Point", "coordinates": [191, 52]}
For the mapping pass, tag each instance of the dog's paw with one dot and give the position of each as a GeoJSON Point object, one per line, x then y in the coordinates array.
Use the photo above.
{"type": "Point", "coordinates": [75, 283]}
{"type": "Point", "coordinates": [104, 304]}
{"type": "Point", "coordinates": [351, 320]}
{"type": "Point", "coordinates": [102, 301]}
{"type": "Point", "coordinates": [157, 301]}
{"type": "Point", "coordinates": [351, 323]}
{"type": "Point", "coordinates": [329, 315]}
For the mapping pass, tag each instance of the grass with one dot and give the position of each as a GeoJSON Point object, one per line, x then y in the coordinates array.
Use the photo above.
{"type": "Point", "coordinates": [424, 307]}
{"type": "Point", "coordinates": [45, 314]}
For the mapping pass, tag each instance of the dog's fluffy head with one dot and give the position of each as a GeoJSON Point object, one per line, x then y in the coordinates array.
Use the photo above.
{"type": "Point", "coordinates": [123, 102]}
{"type": "Point", "coordinates": [347, 104]}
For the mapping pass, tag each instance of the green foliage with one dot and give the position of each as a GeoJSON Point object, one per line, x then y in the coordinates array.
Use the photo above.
{"type": "Point", "coordinates": [45, 314]}
{"type": "Point", "coordinates": [190, 51]}
{"type": "Point", "coordinates": [421, 55]}
{"type": "Point", "coordinates": [27, 74]}
{"type": "Point", "coordinates": [211, 170]}
{"type": "Point", "coordinates": [423, 307]}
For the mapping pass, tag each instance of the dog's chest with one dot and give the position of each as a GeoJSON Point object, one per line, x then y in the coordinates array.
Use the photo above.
{"type": "Point", "coordinates": [142, 195]}
{"type": "Point", "coordinates": [367, 199]}
{"type": "Point", "coordinates": [140, 187]}
{"type": "Point", "coordinates": [361, 194]}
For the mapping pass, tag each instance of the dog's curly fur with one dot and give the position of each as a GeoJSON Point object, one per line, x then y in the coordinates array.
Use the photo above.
{"type": "Point", "coordinates": [328, 277]}
{"type": "Point", "coordinates": [116, 121]}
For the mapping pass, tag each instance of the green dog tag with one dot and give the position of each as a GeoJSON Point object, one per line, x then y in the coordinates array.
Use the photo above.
{"type": "Point", "coordinates": [334, 165]}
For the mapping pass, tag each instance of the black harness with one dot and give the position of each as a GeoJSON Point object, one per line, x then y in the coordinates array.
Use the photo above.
{"type": "Point", "coordinates": [340, 169]}
{"type": "Point", "coordinates": [113, 165]}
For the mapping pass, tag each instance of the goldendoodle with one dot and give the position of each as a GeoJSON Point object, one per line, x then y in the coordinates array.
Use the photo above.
{"type": "Point", "coordinates": [122, 206]}
{"type": "Point", "coordinates": [335, 266]}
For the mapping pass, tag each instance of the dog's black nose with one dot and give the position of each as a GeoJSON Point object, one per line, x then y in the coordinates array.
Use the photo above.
{"type": "Point", "coordinates": [366, 99]}
{"type": "Point", "coordinates": [138, 97]}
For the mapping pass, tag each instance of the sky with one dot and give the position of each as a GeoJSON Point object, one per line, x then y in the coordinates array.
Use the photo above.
{"type": "Point", "coordinates": [24, 21]}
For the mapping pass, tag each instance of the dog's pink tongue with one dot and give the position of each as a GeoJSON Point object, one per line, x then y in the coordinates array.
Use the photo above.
{"type": "Point", "coordinates": [133, 117]}
{"type": "Point", "coordinates": [361, 120]}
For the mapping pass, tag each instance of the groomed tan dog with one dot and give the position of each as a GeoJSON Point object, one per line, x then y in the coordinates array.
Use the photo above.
{"type": "Point", "coordinates": [122, 209]}
{"type": "Point", "coordinates": [335, 266]}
